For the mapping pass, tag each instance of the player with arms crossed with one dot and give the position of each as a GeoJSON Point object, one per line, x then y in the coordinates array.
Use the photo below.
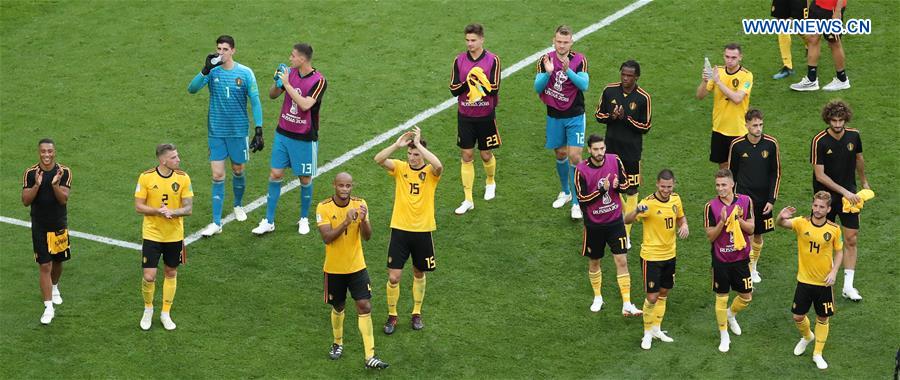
{"type": "Point", "coordinates": [729, 224]}
{"type": "Point", "coordinates": [598, 187]}
{"type": "Point", "coordinates": [660, 212]}
{"type": "Point", "coordinates": [817, 240]}
{"type": "Point", "coordinates": [412, 220]}
{"type": "Point", "coordinates": [230, 85]}
{"type": "Point", "coordinates": [164, 196]}
{"type": "Point", "coordinates": [343, 222]}
{"type": "Point", "coordinates": [46, 187]}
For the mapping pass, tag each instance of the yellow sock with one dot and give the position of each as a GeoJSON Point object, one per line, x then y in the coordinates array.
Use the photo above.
{"type": "Point", "coordinates": [803, 326]}
{"type": "Point", "coordinates": [624, 281]}
{"type": "Point", "coordinates": [739, 304]}
{"type": "Point", "coordinates": [147, 289]}
{"type": "Point", "coordinates": [393, 295]}
{"type": "Point", "coordinates": [418, 294]}
{"type": "Point", "coordinates": [784, 45]}
{"type": "Point", "coordinates": [660, 311]}
{"type": "Point", "coordinates": [629, 205]}
{"type": "Point", "coordinates": [169, 285]}
{"type": "Point", "coordinates": [722, 311]}
{"type": "Point", "coordinates": [821, 336]}
{"type": "Point", "coordinates": [467, 173]}
{"type": "Point", "coordinates": [490, 169]}
{"type": "Point", "coordinates": [596, 280]}
{"type": "Point", "coordinates": [755, 250]}
{"type": "Point", "coordinates": [649, 315]}
{"type": "Point", "coordinates": [365, 329]}
{"type": "Point", "coordinates": [337, 326]}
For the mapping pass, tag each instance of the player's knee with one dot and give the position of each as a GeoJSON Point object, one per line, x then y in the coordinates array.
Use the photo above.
{"type": "Point", "coordinates": [821, 319]}
{"type": "Point", "coordinates": [850, 240]}
{"type": "Point", "coordinates": [561, 153]}
{"type": "Point", "coordinates": [466, 155]}
{"type": "Point", "coordinates": [486, 155]}
{"type": "Point", "coordinates": [652, 297]}
{"type": "Point", "coordinates": [218, 175]}
{"type": "Point", "coordinates": [339, 308]}
{"type": "Point", "coordinates": [171, 272]}
{"type": "Point", "coordinates": [747, 297]}
{"type": "Point", "coordinates": [237, 168]}
{"type": "Point", "coordinates": [394, 279]}
{"type": "Point", "coordinates": [305, 180]}
{"type": "Point", "coordinates": [594, 265]}
{"type": "Point", "coordinates": [276, 175]}
{"type": "Point", "coordinates": [150, 277]}
{"type": "Point", "coordinates": [46, 267]}
{"type": "Point", "coordinates": [363, 307]}
{"type": "Point", "coordinates": [663, 292]}
{"type": "Point", "coordinates": [798, 318]}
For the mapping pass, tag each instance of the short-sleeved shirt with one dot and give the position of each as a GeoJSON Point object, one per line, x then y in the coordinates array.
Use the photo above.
{"type": "Point", "coordinates": [344, 254]}
{"type": "Point", "coordinates": [815, 248]}
{"type": "Point", "coordinates": [413, 197]}
{"type": "Point", "coordinates": [659, 221]}
{"type": "Point", "coordinates": [46, 211]}
{"type": "Point", "coordinates": [728, 117]}
{"type": "Point", "coordinates": [159, 190]}
{"type": "Point", "coordinates": [838, 158]}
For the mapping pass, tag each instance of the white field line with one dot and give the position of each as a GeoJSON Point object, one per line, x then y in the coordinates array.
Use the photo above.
{"type": "Point", "coordinates": [83, 235]}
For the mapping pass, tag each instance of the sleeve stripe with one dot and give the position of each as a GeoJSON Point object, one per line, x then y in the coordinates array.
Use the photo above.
{"type": "Point", "coordinates": [319, 88]}
{"type": "Point", "coordinates": [586, 198]}
{"type": "Point", "coordinates": [454, 75]}
{"type": "Point", "coordinates": [495, 83]}
{"type": "Point", "coordinates": [25, 176]}
{"type": "Point", "coordinates": [777, 164]}
{"type": "Point", "coordinates": [815, 143]}
{"type": "Point", "coordinates": [649, 112]}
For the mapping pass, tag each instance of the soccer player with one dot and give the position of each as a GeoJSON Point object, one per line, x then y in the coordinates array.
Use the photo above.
{"type": "Point", "coordinates": [731, 87]}
{"type": "Point", "coordinates": [343, 222]}
{"type": "Point", "coordinates": [755, 162]}
{"type": "Point", "coordinates": [598, 186]}
{"type": "Point", "coordinates": [729, 224]}
{"type": "Point", "coordinates": [296, 143]}
{"type": "Point", "coordinates": [45, 187]}
{"type": "Point", "coordinates": [660, 212]}
{"type": "Point", "coordinates": [561, 80]}
{"type": "Point", "coordinates": [475, 81]}
{"type": "Point", "coordinates": [231, 84]}
{"type": "Point", "coordinates": [412, 220]}
{"type": "Point", "coordinates": [625, 109]}
{"type": "Point", "coordinates": [817, 240]}
{"type": "Point", "coordinates": [164, 196]}
{"type": "Point", "coordinates": [837, 157]}
{"type": "Point", "coordinates": [824, 10]}
{"type": "Point", "coordinates": [787, 10]}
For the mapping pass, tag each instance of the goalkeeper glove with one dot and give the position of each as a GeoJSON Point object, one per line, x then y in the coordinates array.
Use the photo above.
{"type": "Point", "coordinates": [257, 144]}
{"type": "Point", "coordinates": [209, 65]}
{"type": "Point", "coordinates": [282, 68]}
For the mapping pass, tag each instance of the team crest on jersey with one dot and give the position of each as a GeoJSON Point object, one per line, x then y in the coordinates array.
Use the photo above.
{"type": "Point", "coordinates": [734, 83]}
{"type": "Point", "coordinates": [850, 147]}
{"type": "Point", "coordinates": [765, 154]}
{"type": "Point", "coordinates": [238, 82]}
{"type": "Point", "coordinates": [675, 209]}
{"type": "Point", "coordinates": [175, 186]}
{"type": "Point", "coordinates": [650, 285]}
{"type": "Point", "coordinates": [827, 236]}
{"type": "Point", "coordinates": [422, 176]}
{"type": "Point", "coordinates": [632, 106]}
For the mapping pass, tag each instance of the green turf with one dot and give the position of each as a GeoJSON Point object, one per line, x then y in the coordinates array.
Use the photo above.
{"type": "Point", "coordinates": [108, 81]}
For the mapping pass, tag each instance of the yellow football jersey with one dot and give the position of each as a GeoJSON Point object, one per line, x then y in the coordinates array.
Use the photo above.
{"type": "Point", "coordinates": [815, 248]}
{"type": "Point", "coordinates": [413, 197]}
{"type": "Point", "coordinates": [728, 117]}
{"type": "Point", "coordinates": [344, 254]}
{"type": "Point", "coordinates": [659, 221]}
{"type": "Point", "coordinates": [159, 190]}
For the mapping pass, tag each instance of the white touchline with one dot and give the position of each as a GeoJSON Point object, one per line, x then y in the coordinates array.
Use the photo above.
{"type": "Point", "coordinates": [340, 160]}
{"type": "Point", "coordinates": [83, 235]}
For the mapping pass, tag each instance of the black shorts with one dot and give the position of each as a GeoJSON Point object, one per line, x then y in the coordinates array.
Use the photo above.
{"type": "Point", "coordinates": [483, 130]}
{"type": "Point", "coordinates": [783, 9]}
{"type": "Point", "coordinates": [43, 238]}
{"type": "Point", "coordinates": [820, 297]}
{"type": "Point", "coordinates": [173, 253]}
{"type": "Point", "coordinates": [848, 220]}
{"type": "Point", "coordinates": [633, 171]}
{"type": "Point", "coordinates": [405, 243]}
{"type": "Point", "coordinates": [336, 286]}
{"type": "Point", "coordinates": [818, 13]}
{"type": "Point", "coordinates": [658, 274]}
{"type": "Point", "coordinates": [763, 223]}
{"type": "Point", "coordinates": [596, 238]}
{"type": "Point", "coordinates": [732, 276]}
{"type": "Point", "coordinates": [719, 145]}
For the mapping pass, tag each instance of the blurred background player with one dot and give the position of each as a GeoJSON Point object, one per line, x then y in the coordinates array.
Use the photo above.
{"type": "Point", "coordinates": [660, 212]}
{"type": "Point", "coordinates": [598, 187]}
{"type": "Point", "coordinates": [824, 10]}
{"type": "Point", "coordinates": [475, 81]}
{"type": "Point", "coordinates": [837, 157]}
{"type": "Point", "coordinates": [561, 79]}
{"type": "Point", "coordinates": [787, 10]}
{"type": "Point", "coordinates": [729, 223]}
{"type": "Point", "coordinates": [296, 143]}
{"type": "Point", "coordinates": [230, 85]}
{"type": "Point", "coordinates": [625, 109]}
{"type": "Point", "coordinates": [731, 86]}
{"type": "Point", "coordinates": [412, 220]}
{"type": "Point", "coordinates": [164, 196]}
{"type": "Point", "coordinates": [817, 240]}
{"type": "Point", "coordinates": [45, 188]}
{"type": "Point", "coordinates": [343, 222]}
{"type": "Point", "coordinates": [755, 162]}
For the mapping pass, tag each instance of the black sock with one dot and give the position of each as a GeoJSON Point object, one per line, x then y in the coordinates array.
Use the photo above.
{"type": "Point", "coordinates": [811, 73]}
{"type": "Point", "coordinates": [842, 75]}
